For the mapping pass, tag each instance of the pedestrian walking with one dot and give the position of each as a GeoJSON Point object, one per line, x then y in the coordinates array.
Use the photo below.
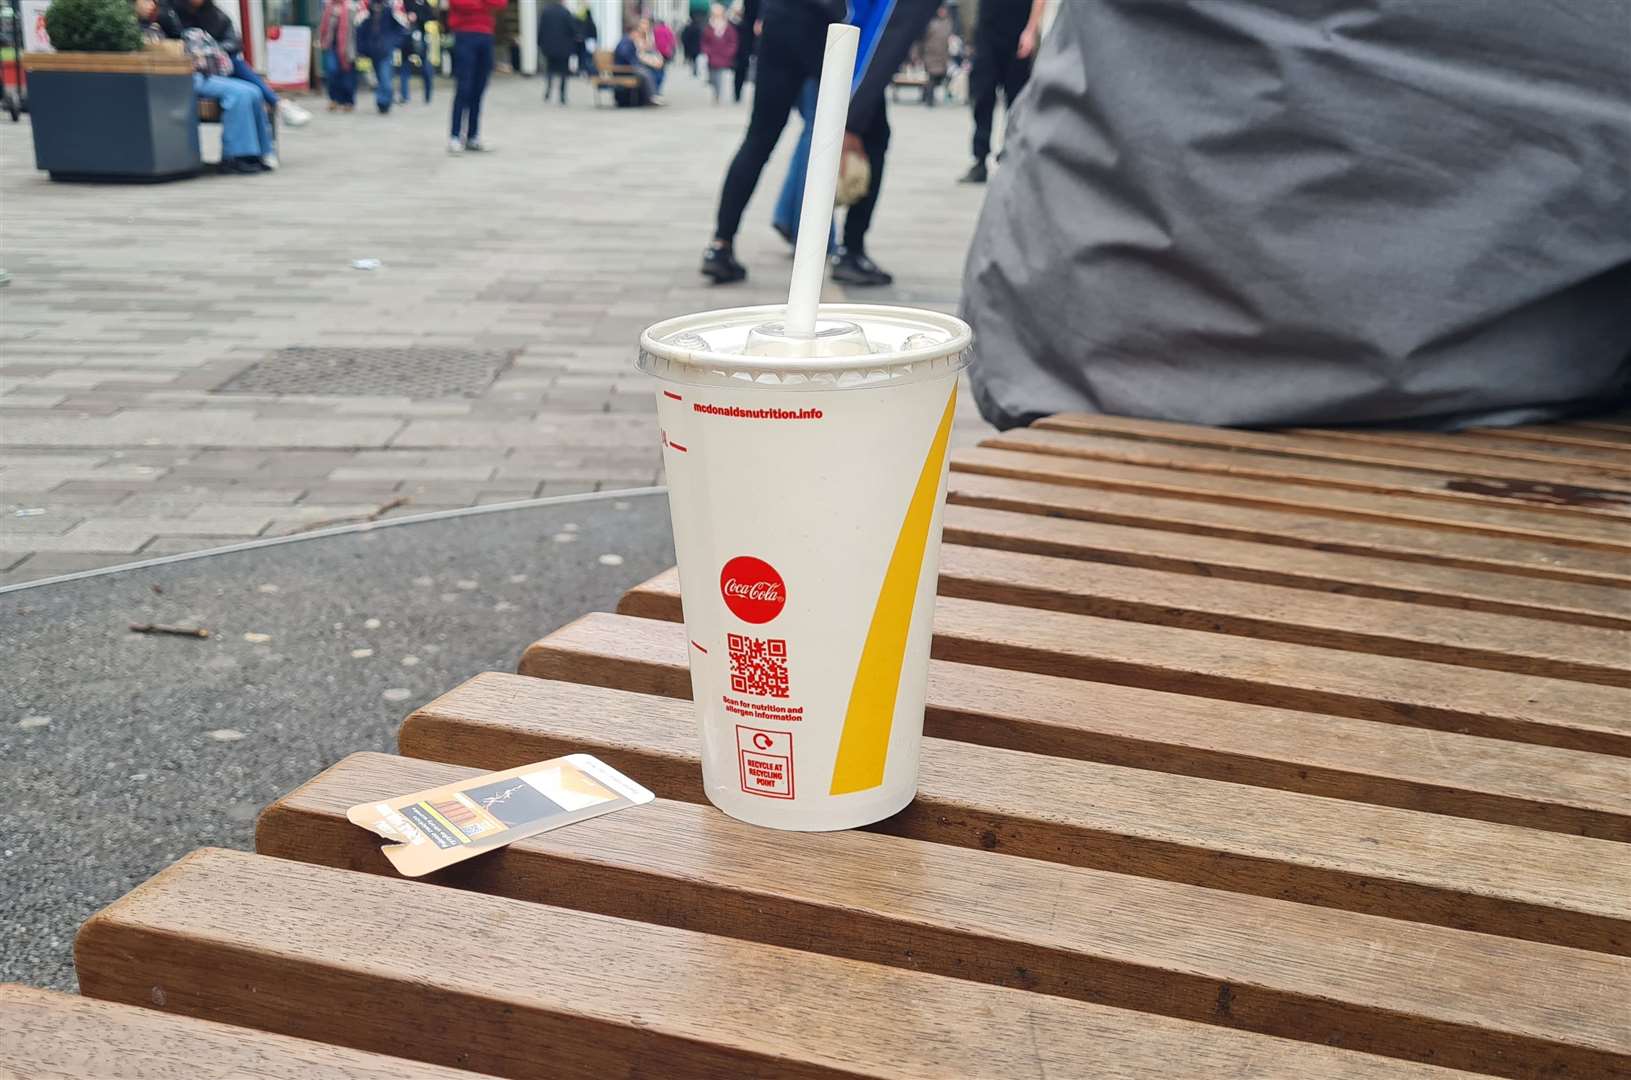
{"type": "Point", "coordinates": [379, 36]}
{"type": "Point", "coordinates": [1005, 38]}
{"type": "Point", "coordinates": [745, 18]}
{"type": "Point", "coordinates": [416, 47]}
{"type": "Point", "coordinates": [691, 41]}
{"type": "Point", "coordinates": [662, 40]}
{"type": "Point", "coordinates": [936, 49]}
{"type": "Point", "coordinates": [337, 37]}
{"type": "Point", "coordinates": [471, 22]}
{"type": "Point", "coordinates": [588, 39]}
{"type": "Point", "coordinates": [719, 47]}
{"type": "Point", "coordinates": [790, 53]}
{"type": "Point", "coordinates": [557, 41]}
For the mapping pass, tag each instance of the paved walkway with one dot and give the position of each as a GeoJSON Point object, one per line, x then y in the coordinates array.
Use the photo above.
{"type": "Point", "coordinates": [130, 307]}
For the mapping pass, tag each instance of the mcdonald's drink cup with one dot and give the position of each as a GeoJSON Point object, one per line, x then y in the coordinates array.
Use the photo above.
{"type": "Point", "coordinates": [806, 493]}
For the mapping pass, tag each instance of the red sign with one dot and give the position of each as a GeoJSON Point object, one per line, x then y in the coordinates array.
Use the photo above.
{"type": "Point", "coordinates": [752, 589]}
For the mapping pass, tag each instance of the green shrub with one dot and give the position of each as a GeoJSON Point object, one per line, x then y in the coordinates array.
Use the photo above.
{"type": "Point", "coordinates": [92, 26]}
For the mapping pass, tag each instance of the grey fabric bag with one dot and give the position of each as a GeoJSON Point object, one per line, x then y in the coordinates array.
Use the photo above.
{"type": "Point", "coordinates": [1312, 212]}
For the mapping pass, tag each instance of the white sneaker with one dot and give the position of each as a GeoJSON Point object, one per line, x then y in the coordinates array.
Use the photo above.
{"type": "Point", "coordinates": [454, 146]}
{"type": "Point", "coordinates": [476, 146]}
{"type": "Point", "coordinates": [270, 160]}
{"type": "Point", "coordinates": [291, 114]}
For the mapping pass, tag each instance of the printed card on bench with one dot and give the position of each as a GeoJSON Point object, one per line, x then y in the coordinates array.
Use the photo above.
{"type": "Point", "coordinates": [445, 825]}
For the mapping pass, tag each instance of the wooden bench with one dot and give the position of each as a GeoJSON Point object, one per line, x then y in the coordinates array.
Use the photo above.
{"type": "Point", "coordinates": [1301, 754]}
{"type": "Point", "coordinates": [612, 76]}
{"type": "Point", "coordinates": [908, 78]}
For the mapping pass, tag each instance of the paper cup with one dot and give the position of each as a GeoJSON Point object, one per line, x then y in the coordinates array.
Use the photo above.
{"type": "Point", "coordinates": [806, 495]}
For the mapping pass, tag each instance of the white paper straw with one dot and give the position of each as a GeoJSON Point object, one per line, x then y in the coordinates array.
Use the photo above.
{"type": "Point", "coordinates": [821, 180]}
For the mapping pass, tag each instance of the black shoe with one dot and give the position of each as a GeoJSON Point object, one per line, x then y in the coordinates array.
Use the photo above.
{"type": "Point", "coordinates": [241, 166]}
{"type": "Point", "coordinates": [785, 233]}
{"type": "Point", "coordinates": [720, 264]}
{"type": "Point", "coordinates": [857, 269]}
{"type": "Point", "coordinates": [383, 109]}
{"type": "Point", "coordinates": [976, 175]}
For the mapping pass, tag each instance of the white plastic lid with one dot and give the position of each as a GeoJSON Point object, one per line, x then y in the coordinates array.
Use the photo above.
{"type": "Point", "coordinates": [855, 345]}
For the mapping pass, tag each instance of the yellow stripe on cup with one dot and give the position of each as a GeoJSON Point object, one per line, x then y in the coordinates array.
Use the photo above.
{"type": "Point", "coordinates": [863, 747]}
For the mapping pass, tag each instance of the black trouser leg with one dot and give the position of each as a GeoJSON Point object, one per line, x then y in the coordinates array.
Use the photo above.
{"type": "Point", "coordinates": [785, 61]}
{"type": "Point", "coordinates": [982, 92]}
{"type": "Point", "coordinates": [859, 217]}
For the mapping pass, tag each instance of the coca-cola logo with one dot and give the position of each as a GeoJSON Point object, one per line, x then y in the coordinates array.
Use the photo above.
{"type": "Point", "coordinates": [752, 589]}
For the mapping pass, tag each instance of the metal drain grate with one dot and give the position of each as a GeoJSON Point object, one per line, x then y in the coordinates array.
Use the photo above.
{"type": "Point", "coordinates": [414, 373]}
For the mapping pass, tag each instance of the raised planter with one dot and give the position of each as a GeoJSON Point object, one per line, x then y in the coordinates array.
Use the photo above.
{"type": "Point", "coordinates": [113, 116]}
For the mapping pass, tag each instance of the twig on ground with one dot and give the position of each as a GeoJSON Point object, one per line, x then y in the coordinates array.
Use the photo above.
{"type": "Point", "coordinates": [177, 631]}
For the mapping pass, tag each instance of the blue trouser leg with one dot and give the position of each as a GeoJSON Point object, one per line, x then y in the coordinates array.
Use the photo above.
{"type": "Point", "coordinates": [790, 203]}
{"type": "Point", "coordinates": [241, 70]}
{"type": "Point", "coordinates": [472, 63]}
{"type": "Point", "coordinates": [245, 131]}
{"type": "Point", "coordinates": [382, 81]}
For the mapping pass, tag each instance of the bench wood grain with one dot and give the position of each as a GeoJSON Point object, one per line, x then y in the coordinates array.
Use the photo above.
{"type": "Point", "coordinates": [1475, 444]}
{"type": "Point", "coordinates": [1589, 512]}
{"type": "Point", "coordinates": [1539, 787]}
{"type": "Point", "coordinates": [47, 1036]}
{"type": "Point", "coordinates": [1414, 693]}
{"type": "Point", "coordinates": [515, 989]}
{"type": "Point", "coordinates": [1500, 879]}
{"type": "Point", "coordinates": [1042, 455]}
{"type": "Point", "coordinates": [1563, 435]}
{"type": "Point", "coordinates": [1582, 481]}
{"type": "Point", "coordinates": [1298, 616]}
{"type": "Point", "coordinates": [1284, 528]}
{"type": "Point", "coordinates": [1317, 572]}
{"type": "Point", "coordinates": [1334, 978]}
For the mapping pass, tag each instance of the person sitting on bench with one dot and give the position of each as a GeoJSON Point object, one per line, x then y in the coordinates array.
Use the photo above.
{"type": "Point", "coordinates": [206, 16]}
{"type": "Point", "coordinates": [635, 54]}
{"type": "Point", "coordinates": [246, 133]}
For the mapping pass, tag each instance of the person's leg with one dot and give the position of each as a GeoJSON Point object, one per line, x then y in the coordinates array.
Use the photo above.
{"type": "Point", "coordinates": [383, 81]}
{"type": "Point", "coordinates": [239, 101]}
{"type": "Point", "coordinates": [781, 78]}
{"type": "Point", "coordinates": [331, 76]}
{"type": "Point", "coordinates": [348, 85]}
{"type": "Point", "coordinates": [404, 71]}
{"type": "Point", "coordinates": [241, 70]}
{"type": "Point", "coordinates": [1018, 73]}
{"type": "Point", "coordinates": [426, 73]}
{"type": "Point", "coordinates": [859, 217]}
{"type": "Point", "coordinates": [482, 55]}
{"type": "Point", "coordinates": [785, 217]}
{"type": "Point", "coordinates": [716, 81]}
{"type": "Point", "coordinates": [463, 81]}
{"type": "Point", "coordinates": [658, 74]}
{"type": "Point", "coordinates": [982, 92]}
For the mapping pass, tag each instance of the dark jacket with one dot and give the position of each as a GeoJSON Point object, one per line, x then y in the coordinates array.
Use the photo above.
{"type": "Point", "coordinates": [380, 34]}
{"type": "Point", "coordinates": [213, 21]}
{"type": "Point", "coordinates": [557, 31]}
{"type": "Point", "coordinates": [422, 15]}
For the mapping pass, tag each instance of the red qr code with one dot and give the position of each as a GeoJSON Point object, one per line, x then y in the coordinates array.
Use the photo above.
{"type": "Point", "coordinates": [758, 667]}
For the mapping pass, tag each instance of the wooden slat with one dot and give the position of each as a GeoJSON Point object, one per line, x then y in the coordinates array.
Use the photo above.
{"type": "Point", "coordinates": [1475, 444]}
{"type": "Point", "coordinates": [1319, 976]}
{"type": "Point", "coordinates": [1589, 513]}
{"type": "Point", "coordinates": [1540, 787]}
{"type": "Point", "coordinates": [1620, 429]}
{"type": "Point", "coordinates": [1539, 886]}
{"type": "Point", "coordinates": [1587, 482]}
{"type": "Point", "coordinates": [516, 989]}
{"type": "Point", "coordinates": [1292, 529]}
{"type": "Point", "coordinates": [1248, 609]}
{"type": "Point", "coordinates": [1414, 693]}
{"type": "Point", "coordinates": [1062, 457]}
{"type": "Point", "coordinates": [1317, 572]}
{"type": "Point", "coordinates": [1559, 436]}
{"type": "Point", "coordinates": [46, 1036]}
